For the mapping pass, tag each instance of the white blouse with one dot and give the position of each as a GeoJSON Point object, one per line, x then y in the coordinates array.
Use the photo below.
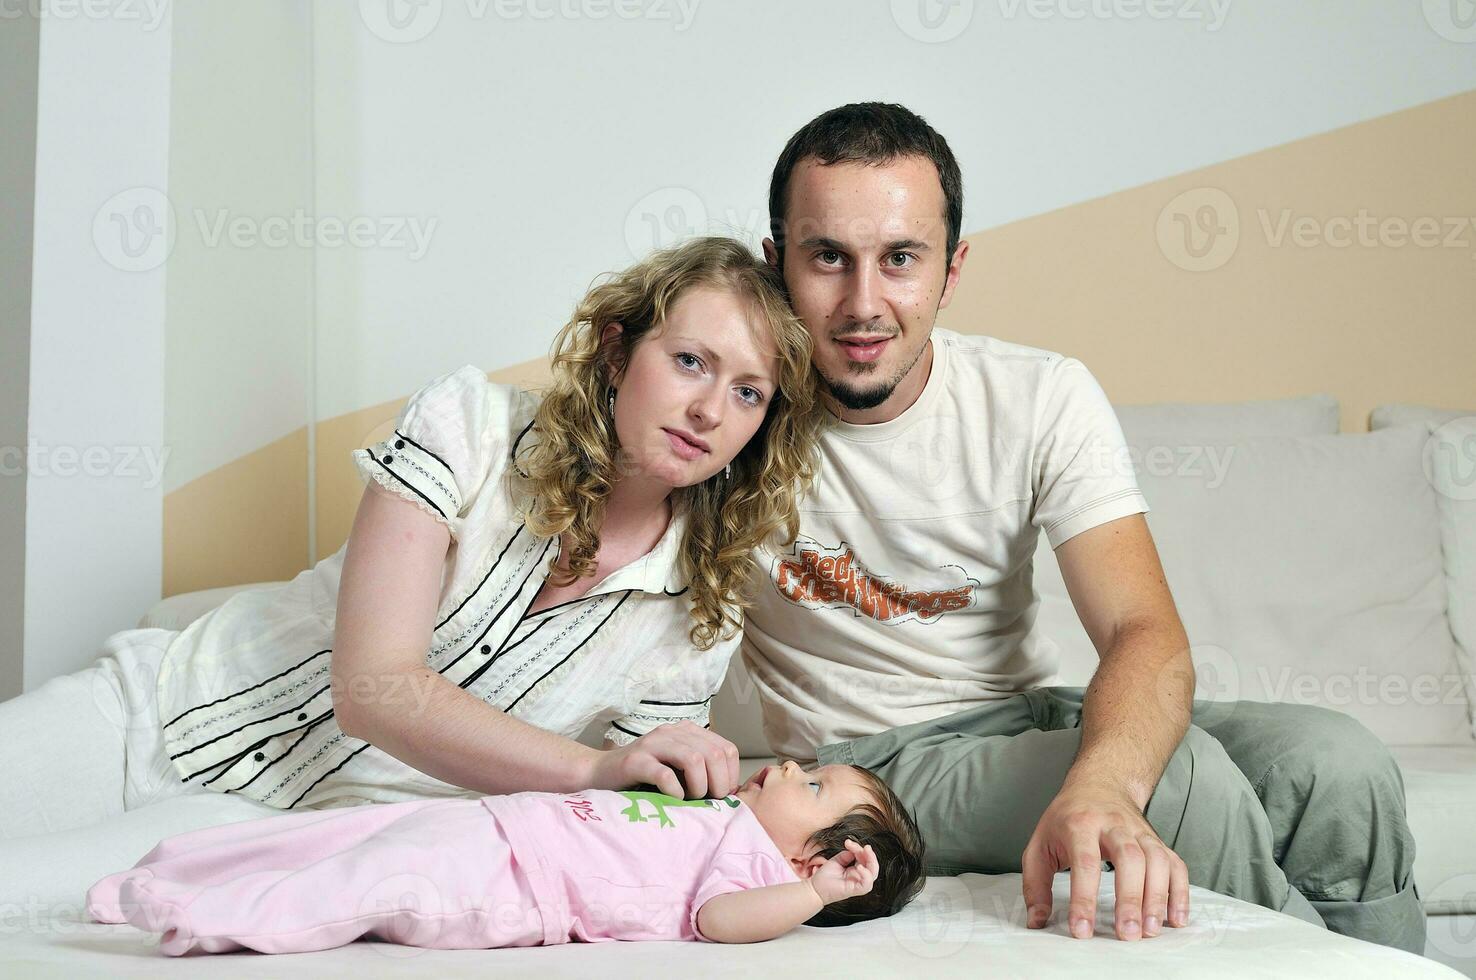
{"type": "Point", "coordinates": [243, 691]}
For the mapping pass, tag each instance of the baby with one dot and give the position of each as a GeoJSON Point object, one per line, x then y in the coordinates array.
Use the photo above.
{"type": "Point", "coordinates": [825, 846]}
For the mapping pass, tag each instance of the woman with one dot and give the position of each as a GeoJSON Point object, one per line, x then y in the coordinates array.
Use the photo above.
{"type": "Point", "coordinates": [518, 569]}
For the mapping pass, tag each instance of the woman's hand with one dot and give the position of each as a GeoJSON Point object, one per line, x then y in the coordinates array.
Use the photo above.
{"type": "Point", "coordinates": [850, 873]}
{"type": "Point", "coordinates": [707, 762]}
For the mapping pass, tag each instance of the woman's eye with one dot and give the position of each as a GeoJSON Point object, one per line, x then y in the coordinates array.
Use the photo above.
{"type": "Point", "coordinates": [817, 788]}
{"type": "Point", "coordinates": [752, 396]}
{"type": "Point", "coordinates": [689, 361]}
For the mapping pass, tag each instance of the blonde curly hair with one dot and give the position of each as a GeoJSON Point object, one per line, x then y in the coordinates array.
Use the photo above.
{"type": "Point", "coordinates": [567, 472]}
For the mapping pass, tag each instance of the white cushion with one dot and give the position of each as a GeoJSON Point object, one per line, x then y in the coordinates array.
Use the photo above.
{"type": "Point", "coordinates": [1440, 804]}
{"type": "Point", "coordinates": [1173, 422]}
{"type": "Point", "coordinates": [1306, 569]}
{"type": "Point", "coordinates": [1388, 416]}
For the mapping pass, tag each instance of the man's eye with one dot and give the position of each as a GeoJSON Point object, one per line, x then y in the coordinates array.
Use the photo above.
{"type": "Point", "coordinates": [827, 256]}
{"type": "Point", "coordinates": [907, 257]}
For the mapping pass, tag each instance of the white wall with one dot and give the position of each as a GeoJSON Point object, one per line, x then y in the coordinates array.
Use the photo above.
{"type": "Point", "coordinates": [240, 293]}
{"type": "Point", "coordinates": [546, 142]}
{"type": "Point", "coordinates": [97, 332]}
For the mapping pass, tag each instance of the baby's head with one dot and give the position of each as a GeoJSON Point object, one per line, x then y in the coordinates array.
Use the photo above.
{"type": "Point", "coordinates": [809, 813]}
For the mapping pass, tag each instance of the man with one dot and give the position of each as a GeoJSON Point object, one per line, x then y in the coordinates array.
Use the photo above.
{"type": "Point", "coordinates": [897, 632]}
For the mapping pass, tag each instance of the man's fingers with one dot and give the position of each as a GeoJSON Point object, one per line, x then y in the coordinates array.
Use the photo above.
{"type": "Point", "coordinates": [1129, 868]}
{"type": "Point", "coordinates": [1086, 878]}
{"type": "Point", "coordinates": [1178, 914]}
{"type": "Point", "coordinates": [1038, 870]}
{"type": "Point", "coordinates": [1155, 885]}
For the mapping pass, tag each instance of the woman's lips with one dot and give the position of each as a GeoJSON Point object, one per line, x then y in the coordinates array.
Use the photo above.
{"type": "Point", "coordinates": [864, 351]}
{"type": "Point", "coordinates": [682, 447]}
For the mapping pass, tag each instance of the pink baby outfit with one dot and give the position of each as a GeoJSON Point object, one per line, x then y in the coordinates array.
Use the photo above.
{"type": "Point", "coordinates": [519, 870]}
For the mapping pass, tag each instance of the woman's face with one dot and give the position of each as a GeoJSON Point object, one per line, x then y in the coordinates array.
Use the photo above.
{"type": "Point", "coordinates": [696, 389]}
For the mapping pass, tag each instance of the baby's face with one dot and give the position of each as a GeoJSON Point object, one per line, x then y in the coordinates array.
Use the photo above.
{"type": "Point", "coordinates": [792, 803]}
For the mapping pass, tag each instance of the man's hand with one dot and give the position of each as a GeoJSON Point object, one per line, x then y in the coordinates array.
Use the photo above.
{"type": "Point", "coordinates": [1084, 825]}
{"type": "Point", "coordinates": [708, 763]}
{"type": "Point", "coordinates": [849, 873]}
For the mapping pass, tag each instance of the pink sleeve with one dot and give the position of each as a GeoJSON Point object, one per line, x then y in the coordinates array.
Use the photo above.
{"type": "Point", "coordinates": [733, 871]}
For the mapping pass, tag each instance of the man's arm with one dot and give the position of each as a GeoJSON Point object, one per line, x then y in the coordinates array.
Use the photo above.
{"type": "Point", "coordinates": [1134, 714]}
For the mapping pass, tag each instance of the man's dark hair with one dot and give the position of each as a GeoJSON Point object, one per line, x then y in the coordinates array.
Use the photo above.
{"type": "Point", "coordinates": [874, 133]}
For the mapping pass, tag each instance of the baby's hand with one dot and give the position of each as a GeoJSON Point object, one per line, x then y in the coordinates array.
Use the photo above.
{"type": "Point", "coordinates": [850, 873]}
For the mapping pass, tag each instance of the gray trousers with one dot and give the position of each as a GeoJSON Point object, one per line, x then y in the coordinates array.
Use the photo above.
{"type": "Point", "coordinates": [1291, 807]}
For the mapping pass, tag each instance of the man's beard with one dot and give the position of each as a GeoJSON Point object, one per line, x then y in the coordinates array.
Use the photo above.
{"type": "Point", "coordinates": [860, 399]}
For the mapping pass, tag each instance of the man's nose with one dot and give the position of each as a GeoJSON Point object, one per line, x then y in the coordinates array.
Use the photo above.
{"type": "Point", "coordinates": [863, 299]}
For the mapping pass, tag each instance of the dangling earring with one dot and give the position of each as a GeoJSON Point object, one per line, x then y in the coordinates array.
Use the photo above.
{"type": "Point", "coordinates": [728, 472]}
{"type": "Point", "coordinates": [610, 400]}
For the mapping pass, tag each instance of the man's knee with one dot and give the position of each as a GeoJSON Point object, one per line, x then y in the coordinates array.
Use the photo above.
{"type": "Point", "coordinates": [1327, 751]}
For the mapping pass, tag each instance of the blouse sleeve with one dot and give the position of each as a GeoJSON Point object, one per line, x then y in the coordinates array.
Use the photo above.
{"type": "Point", "coordinates": [679, 686]}
{"type": "Point", "coordinates": [439, 455]}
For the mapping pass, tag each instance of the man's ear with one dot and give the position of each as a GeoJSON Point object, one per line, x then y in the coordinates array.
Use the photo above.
{"type": "Point", "coordinates": [612, 352]}
{"type": "Point", "coordinates": [771, 253]}
{"type": "Point", "coordinates": [955, 269]}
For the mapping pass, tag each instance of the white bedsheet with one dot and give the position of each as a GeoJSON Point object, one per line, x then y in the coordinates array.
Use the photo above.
{"type": "Point", "coordinates": [966, 926]}
{"type": "Point", "coordinates": [957, 927]}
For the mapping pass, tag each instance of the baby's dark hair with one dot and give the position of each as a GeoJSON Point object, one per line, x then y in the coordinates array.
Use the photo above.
{"type": "Point", "coordinates": [892, 832]}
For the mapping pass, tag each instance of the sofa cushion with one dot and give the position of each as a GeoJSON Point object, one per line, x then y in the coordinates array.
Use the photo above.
{"type": "Point", "coordinates": [1388, 416]}
{"type": "Point", "coordinates": [1306, 569]}
{"type": "Point", "coordinates": [1173, 422]}
{"type": "Point", "coordinates": [1440, 801]}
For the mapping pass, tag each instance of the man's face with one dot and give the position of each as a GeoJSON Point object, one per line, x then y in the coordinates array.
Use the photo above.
{"type": "Point", "coordinates": [867, 271]}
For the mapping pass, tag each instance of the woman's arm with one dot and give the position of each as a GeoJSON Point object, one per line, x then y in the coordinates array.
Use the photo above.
{"type": "Point", "coordinates": [384, 693]}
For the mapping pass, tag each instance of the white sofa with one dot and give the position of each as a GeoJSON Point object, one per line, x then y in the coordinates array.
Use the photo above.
{"type": "Point", "coordinates": [1307, 566]}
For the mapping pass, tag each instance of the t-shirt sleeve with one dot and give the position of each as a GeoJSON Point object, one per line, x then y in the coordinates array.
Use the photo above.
{"type": "Point", "coordinates": [734, 871]}
{"type": "Point", "coordinates": [1083, 475]}
{"type": "Point", "coordinates": [676, 683]}
{"type": "Point", "coordinates": [443, 444]}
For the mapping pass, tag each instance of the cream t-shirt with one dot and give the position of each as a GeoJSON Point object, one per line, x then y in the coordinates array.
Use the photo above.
{"type": "Point", "coordinates": [908, 593]}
